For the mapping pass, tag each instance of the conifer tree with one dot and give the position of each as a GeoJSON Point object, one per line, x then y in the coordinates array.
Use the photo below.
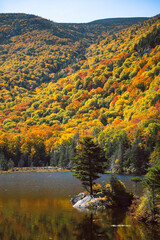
{"type": "Point", "coordinates": [89, 163]}
{"type": "Point", "coordinates": [152, 183]}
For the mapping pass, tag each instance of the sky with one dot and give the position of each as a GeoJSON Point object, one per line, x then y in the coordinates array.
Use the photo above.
{"type": "Point", "coordinates": [81, 11]}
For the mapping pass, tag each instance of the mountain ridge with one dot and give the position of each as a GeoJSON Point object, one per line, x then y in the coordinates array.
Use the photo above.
{"type": "Point", "coordinates": [48, 24]}
{"type": "Point", "coordinates": [36, 35]}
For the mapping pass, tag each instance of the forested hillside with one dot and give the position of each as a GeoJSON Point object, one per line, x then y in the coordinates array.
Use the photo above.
{"type": "Point", "coordinates": [34, 50]}
{"type": "Point", "coordinates": [59, 82]}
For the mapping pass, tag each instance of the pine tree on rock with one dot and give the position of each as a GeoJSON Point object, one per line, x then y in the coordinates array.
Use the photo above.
{"type": "Point", "coordinates": [89, 163]}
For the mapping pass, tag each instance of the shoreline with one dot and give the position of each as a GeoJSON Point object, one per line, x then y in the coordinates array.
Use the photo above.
{"type": "Point", "coordinates": [53, 169]}
{"type": "Point", "coordinates": [34, 169]}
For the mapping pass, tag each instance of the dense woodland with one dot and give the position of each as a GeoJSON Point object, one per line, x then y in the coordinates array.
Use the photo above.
{"type": "Point", "coordinates": [61, 82]}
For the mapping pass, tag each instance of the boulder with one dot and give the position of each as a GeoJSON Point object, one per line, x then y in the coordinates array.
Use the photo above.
{"type": "Point", "coordinates": [82, 201]}
{"type": "Point", "coordinates": [77, 198]}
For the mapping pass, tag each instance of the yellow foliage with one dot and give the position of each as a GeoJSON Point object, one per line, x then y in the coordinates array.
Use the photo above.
{"type": "Point", "coordinates": [108, 188]}
{"type": "Point", "coordinates": [97, 188]}
{"type": "Point", "coordinates": [117, 161]}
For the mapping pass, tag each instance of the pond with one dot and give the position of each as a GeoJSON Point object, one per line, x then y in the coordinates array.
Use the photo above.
{"type": "Point", "coordinates": [37, 206]}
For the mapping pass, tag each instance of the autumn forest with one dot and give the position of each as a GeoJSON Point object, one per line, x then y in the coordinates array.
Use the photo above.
{"type": "Point", "coordinates": [61, 82]}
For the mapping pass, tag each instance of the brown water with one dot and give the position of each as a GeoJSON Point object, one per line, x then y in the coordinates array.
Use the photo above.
{"type": "Point", "coordinates": [37, 206]}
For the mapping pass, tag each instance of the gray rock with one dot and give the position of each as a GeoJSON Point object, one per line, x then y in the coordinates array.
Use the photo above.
{"type": "Point", "coordinates": [77, 198]}
{"type": "Point", "coordinates": [91, 202]}
{"type": "Point", "coordinates": [83, 202]}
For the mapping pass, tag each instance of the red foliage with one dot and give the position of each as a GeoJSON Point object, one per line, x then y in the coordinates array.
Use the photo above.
{"type": "Point", "coordinates": [118, 121]}
{"type": "Point", "coordinates": [83, 74]}
{"type": "Point", "coordinates": [22, 106]}
{"type": "Point", "coordinates": [138, 97]}
{"type": "Point", "coordinates": [95, 114]}
{"type": "Point", "coordinates": [84, 96]}
{"type": "Point", "coordinates": [158, 135]}
{"type": "Point", "coordinates": [7, 112]}
{"type": "Point", "coordinates": [136, 120]}
{"type": "Point", "coordinates": [156, 88]}
{"type": "Point", "coordinates": [157, 105]}
{"type": "Point", "coordinates": [46, 103]}
{"type": "Point", "coordinates": [115, 85]}
{"type": "Point", "coordinates": [98, 90]}
{"type": "Point", "coordinates": [67, 69]}
{"type": "Point", "coordinates": [114, 100]}
{"type": "Point", "coordinates": [89, 87]}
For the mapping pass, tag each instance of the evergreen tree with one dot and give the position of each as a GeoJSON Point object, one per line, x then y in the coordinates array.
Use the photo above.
{"type": "Point", "coordinates": [89, 163]}
{"type": "Point", "coordinates": [152, 183]}
{"type": "Point", "coordinates": [3, 162]}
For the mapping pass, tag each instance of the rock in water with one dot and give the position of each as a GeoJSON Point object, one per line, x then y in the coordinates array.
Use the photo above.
{"type": "Point", "coordinates": [82, 203]}
{"type": "Point", "coordinates": [77, 198]}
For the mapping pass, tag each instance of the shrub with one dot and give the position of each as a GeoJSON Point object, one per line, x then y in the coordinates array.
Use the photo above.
{"type": "Point", "coordinates": [108, 187]}
{"type": "Point", "coordinates": [118, 187]}
{"type": "Point", "coordinates": [107, 190]}
{"type": "Point", "coordinates": [97, 188]}
{"type": "Point", "coordinates": [119, 194]}
{"type": "Point", "coordinates": [143, 211]}
{"type": "Point", "coordinates": [136, 179]}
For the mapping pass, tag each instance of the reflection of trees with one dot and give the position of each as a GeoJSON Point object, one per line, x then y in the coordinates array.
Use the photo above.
{"type": "Point", "coordinates": [89, 229]}
{"type": "Point", "coordinates": [106, 225]}
{"type": "Point", "coordinates": [117, 216]}
{"type": "Point", "coordinates": [138, 231]}
{"type": "Point", "coordinates": [98, 226]}
{"type": "Point", "coordinates": [24, 226]}
{"type": "Point", "coordinates": [112, 225]}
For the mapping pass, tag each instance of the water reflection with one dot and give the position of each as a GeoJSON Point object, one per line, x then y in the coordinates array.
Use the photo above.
{"type": "Point", "coordinates": [106, 226]}
{"type": "Point", "coordinates": [23, 223]}
{"type": "Point", "coordinates": [68, 225]}
{"type": "Point", "coordinates": [91, 228]}
{"type": "Point", "coordinates": [37, 206]}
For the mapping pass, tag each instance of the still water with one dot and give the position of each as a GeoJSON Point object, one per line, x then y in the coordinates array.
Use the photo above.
{"type": "Point", "coordinates": [37, 206]}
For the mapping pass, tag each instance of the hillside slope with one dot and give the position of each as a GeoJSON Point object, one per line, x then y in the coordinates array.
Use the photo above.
{"type": "Point", "coordinates": [111, 93]}
{"type": "Point", "coordinates": [35, 50]}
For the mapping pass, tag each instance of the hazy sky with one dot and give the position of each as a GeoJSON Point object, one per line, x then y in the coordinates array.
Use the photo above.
{"type": "Point", "coordinates": [82, 10]}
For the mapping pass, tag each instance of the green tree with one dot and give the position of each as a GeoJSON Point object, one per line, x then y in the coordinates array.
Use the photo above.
{"type": "Point", "coordinates": [89, 163]}
{"type": "Point", "coordinates": [3, 162]}
{"type": "Point", "coordinates": [136, 180]}
{"type": "Point", "coordinates": [152, 183]}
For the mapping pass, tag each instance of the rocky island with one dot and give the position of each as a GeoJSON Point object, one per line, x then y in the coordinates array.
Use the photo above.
{"type": "Point", "coordinates": [113, 194]}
